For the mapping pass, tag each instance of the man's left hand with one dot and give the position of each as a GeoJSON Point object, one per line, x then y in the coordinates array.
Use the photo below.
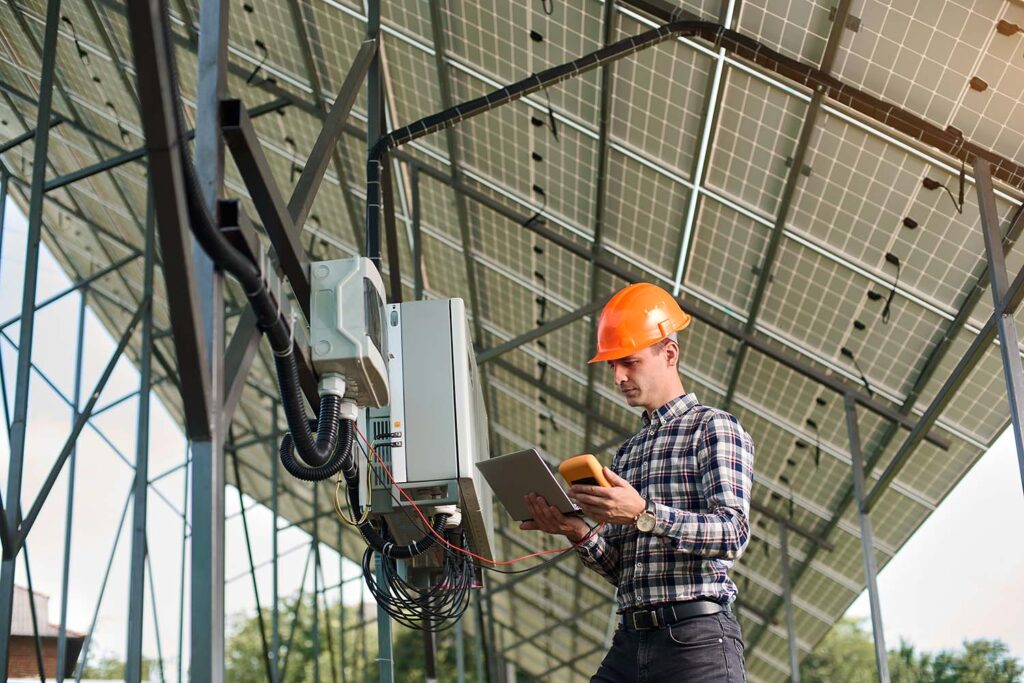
{"type": "Point", "coordinates": [619, 504]}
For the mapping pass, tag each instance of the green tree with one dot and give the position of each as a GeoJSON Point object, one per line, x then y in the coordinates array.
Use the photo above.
{"type": "Point", "coordinates": [846, 655]}
{"type": "Point", "coordinates": [108, 666]}
{"type": "Point", "coordinates": [245, 663]}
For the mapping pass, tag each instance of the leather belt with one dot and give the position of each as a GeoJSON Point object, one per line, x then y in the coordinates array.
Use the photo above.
{"type": "Point", "coordinates": [666, 615]}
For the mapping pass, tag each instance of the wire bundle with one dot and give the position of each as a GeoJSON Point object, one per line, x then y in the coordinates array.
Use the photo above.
{"type": "Point", "coordinates": [434, 608]}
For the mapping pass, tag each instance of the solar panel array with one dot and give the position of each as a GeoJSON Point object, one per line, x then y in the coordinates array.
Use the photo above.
{"type": "Point", "coordinates": [700, 148]}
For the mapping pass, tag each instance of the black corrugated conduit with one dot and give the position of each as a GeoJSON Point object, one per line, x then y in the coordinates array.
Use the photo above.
{"type": "Point", "coordinates": [320, 454]}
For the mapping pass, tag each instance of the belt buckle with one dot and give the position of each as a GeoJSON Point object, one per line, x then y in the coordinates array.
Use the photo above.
{"type": "Point", "coordinates": [644, 620]}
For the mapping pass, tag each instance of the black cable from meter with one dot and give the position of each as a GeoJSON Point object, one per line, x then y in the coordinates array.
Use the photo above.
{"type": "Point", "coordinates": [482, 565]}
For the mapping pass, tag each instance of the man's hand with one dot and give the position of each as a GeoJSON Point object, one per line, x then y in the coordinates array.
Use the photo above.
{"type": "Point", "coordinates": [550, 519]}
{"type": "Point", "coordinates": [619, 504]}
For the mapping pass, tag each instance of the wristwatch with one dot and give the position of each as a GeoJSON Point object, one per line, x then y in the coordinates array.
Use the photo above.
{"type": "Point", "coordinates": [646, 520]}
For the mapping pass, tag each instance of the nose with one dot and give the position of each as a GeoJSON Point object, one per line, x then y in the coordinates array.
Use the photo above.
{"type": "Point", "coordinates": [619, 374]}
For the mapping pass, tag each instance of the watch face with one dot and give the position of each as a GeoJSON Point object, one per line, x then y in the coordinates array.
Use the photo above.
{"type": "Point", "coordinates": [645, 522]}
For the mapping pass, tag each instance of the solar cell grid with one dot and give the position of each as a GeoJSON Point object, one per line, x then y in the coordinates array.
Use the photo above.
{"type": "Point", "coordinates": [754, 141]}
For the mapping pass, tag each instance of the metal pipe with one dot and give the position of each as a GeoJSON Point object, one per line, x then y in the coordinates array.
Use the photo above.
{"type": "Point", "coordinates": [36, 640]}
{"type": "Point", "coordinates": [1009, 343]}
{"type": "Point", "coordinates": [184, 546]}
{"type": "Point", "coordinates": [28, 299]}
{"type": "Point", "coordinates": [208, 481]}
{"type": "Point", "coordinates": [787, 594]}
{"type": "Point", "coordinates": [33, 513]}
{"type": "Point", "coordinates": [82, 284]}
{"type": "Point", "coordinates": [316, 588]}
{"type": "Point", "coordinates": [83, 656]}
{"type": "Point", "coordinates": [275, 626]}
{"type": "Point", "coordinates": [866, 540]}
{"type": "Point", "coordinates": [137, 578]}
{"type": "Point", "coordinates": [252, 571]}
{"type": "Point", "coordinates": [417, 234]}
{"type": "Point", "coordinates": [66, 570]}
{"type": "Point", "coordinates": [156, 616]}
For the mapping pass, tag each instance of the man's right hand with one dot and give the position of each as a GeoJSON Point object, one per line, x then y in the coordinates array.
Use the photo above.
{"type": "Point", "coordinates": [549, 519]}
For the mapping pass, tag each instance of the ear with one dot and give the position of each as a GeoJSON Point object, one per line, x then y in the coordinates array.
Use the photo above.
{"type": "Point", "coordinates": [672, 353]}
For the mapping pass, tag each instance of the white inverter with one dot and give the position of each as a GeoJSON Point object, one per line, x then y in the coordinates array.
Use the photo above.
{"type": "Point", "coordinates": [434, 430]}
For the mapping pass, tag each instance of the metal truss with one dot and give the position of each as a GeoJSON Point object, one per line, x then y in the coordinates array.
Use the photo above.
{"type": "Point", "coordinates": [211, 382]}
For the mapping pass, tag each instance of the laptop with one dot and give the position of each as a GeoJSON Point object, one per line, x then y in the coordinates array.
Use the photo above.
{"type": "Point", "coordinates": [514, 475]}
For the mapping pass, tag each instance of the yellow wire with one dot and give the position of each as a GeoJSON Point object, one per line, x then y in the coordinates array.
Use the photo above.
{"type": "Point", "coordinates": [337, 502]}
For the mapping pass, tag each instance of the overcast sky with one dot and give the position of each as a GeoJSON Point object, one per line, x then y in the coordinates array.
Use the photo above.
{"type": "Point", "coordinates": [957, 578]}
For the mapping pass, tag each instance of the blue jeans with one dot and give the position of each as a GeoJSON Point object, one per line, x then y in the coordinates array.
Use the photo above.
{"type": "Point", "coordinates": [708, 649]}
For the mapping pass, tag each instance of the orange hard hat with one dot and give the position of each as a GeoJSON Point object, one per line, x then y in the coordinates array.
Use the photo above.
{"type": "Point", "coordinates": [636, 317]}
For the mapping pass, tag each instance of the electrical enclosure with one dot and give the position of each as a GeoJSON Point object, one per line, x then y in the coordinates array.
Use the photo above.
{"type": "Point", "coordinates": [435, 428]}
{"type": "Point", "coordinates": [346, 327]}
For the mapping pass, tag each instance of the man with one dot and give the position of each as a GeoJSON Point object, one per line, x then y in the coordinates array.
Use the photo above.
{"type": "Point", "coordinates": [675, 516]}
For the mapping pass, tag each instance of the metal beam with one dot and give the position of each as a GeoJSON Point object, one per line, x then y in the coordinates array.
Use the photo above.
{"type": "Point", "coordinates": [81, 284]}
{"type": "Point", "coordinates": [788, 192]}
{"type": "Point", "coordinates": [168, 182]}
{"type": "Point", "coordinates": [697, 310]}
{"type": "Point", "coordinates": [867, 541]}
{"type": "Point", "coordinates": [259, 180]}
{"type": "Point", "coordinates": [768, 262]}
{"type": "Point", "coordinates": [439, 36]}
{"type": "Point", "coordinates": [26, 525]}
{"type": "Point", "coordinates": [28, 135]}
{"type": "Point", "coordinates": [712, 104]}
{"type": "Point", "coordinates": [137, 578]}
{"type": "Point", "coordinates": [139, 153]}
{"type": "Point", "coordinates": [600, 192]}
{"type": "Point", "coordinates": [17, 434]}
{"type": "Point", "coordinates": [538, 332]}
{"type": "Point", "coordinates": [787, 592]}
{"type": "Point", "coordinates": [557, 395]}
{"type": "Point", "coordinates": [1009, 342]}
{"type": "Point", "coordinates": [325, 148]}
{"type": "Point", "coordinates": [973, 355]}
{"type": "Point", "coordinates": [208, 480]}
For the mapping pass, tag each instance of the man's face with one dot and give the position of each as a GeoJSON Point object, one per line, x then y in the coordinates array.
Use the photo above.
{"type": "Point", "coordinates": [641, 375]}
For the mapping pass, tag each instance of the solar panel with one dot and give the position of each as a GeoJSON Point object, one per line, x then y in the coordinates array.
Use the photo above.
{"type": "Point", "coordinates": [861, 204]}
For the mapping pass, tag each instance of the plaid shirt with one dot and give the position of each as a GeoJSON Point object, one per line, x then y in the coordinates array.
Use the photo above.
{"type": "Point", "coordinates": [696, 463]}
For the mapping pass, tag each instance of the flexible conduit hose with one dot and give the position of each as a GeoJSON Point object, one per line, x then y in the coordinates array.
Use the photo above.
{"type": "Point", "coordinates": [316, 452]}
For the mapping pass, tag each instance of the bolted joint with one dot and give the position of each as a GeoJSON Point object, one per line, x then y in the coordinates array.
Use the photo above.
{"type": "Point", "coordinates": [332, 384]}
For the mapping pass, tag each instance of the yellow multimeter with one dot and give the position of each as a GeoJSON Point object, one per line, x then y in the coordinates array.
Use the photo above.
{"type": "Point", "coordinates": [583, 469]}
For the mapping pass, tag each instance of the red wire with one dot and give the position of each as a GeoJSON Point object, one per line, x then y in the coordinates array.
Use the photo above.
{"type": "Point", "coordinates": [430, 527]}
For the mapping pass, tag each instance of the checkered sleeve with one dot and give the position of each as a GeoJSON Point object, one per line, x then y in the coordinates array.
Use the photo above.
{"type": "Point", "coordinates": [601, 553]}
{"type": "Point", "coordinates": [725, 459]}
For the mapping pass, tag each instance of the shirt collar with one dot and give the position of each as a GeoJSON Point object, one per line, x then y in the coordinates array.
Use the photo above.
{"type": "Point", "coordinates": [671, 410]}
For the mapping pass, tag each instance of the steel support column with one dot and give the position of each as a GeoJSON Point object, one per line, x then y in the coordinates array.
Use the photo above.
{"type": "Point", "coordinates": [417, 234]}
{"type": "Point", "coordinates": [275, 615]}
{"type": "Point", "coordinates": [4, 179]}
{"type": "Point", "coordinates": [460, 652]}
{"type": "Point", "coordinates": [207, 592]}
{"type": "Point", "coordinates": [69, 510]}
{"type": "Point", "coordinates": [19, 422]}
{"type": "Point", "coordinates": [600, 193]}
{"type": "Point", "coordinates": [787, 594]}
{"type": "Point", "coordinates": [1009, 343]}
{"type": "Point", "coordinates": [137, 576]}
{"type": "Point", "coordinates": [866, 540]}
{"type": "Point", "coordinates": [385, 656]}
